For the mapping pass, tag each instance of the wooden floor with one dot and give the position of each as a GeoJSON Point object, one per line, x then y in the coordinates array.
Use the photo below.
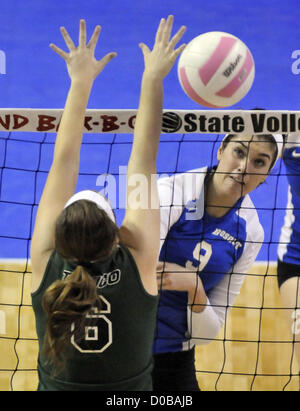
{"type": "Point", "coordinates": [254, 350]}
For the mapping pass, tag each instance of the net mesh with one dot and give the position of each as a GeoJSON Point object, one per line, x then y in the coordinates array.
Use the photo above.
{"type": "Point", "coordinates": [255, 349]}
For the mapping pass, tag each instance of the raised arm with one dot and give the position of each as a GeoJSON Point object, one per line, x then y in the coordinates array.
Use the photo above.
{"type": "Point", "coordinates": [83, 68]}
{"type": "Point", "coordinates": [140, 229]}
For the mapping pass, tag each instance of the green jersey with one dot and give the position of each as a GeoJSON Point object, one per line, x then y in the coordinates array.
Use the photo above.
{"type": "Point", "coordinates": [116, 351]}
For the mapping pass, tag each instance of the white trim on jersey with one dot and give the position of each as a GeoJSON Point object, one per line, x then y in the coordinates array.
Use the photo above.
{"type": "Point", "coordinates": [286, 230]}
{"type": "Point", "coordinates": [293, 140]}
{"type": "Point", "coordinates": [205, 326]}
{"type": "Point", "coordinates": [174, 195]}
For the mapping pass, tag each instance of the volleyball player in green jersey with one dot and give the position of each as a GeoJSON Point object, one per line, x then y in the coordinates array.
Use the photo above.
{"type": "Point", "coordinates": [94, 290]}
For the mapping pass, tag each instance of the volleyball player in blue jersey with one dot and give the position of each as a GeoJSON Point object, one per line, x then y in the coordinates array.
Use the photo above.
{"type": "Point", "coordinates": [210, 237]}
{"type": "Point", "coordinates": [289, 243]}
{"type": "Point", "coordinates": [94, 288]}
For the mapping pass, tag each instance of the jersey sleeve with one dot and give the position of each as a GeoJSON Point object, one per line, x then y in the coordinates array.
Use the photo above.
{"type": "Point", "coordinates": [175, 193]}
{"type": "Point", "coordinates": [205, 326]}
{"type": "Point", "coordinates": [292, 140]}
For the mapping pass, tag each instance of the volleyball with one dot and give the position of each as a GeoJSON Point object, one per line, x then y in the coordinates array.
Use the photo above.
{"type": "Point", "coordinates": [216, 69]}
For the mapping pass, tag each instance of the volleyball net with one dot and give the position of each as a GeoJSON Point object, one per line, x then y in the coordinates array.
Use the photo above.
{"type": "Point", "coordinates": [255, 348]}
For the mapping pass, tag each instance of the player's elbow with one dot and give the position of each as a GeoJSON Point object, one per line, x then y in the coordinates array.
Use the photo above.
{"type": "Point", "coordinates": [205, 327]}
{"type": "Point", "coordinates": [207, 336]}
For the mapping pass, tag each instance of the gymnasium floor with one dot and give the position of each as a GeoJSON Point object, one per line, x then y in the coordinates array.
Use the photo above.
{"type": "Point", "coordinates": [253, 352]}
{"type": "Point", "coordinates": [36, 78]}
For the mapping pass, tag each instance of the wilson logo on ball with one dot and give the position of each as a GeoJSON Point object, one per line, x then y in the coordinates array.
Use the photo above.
{"type": "Point", "coordinates": [216, 69]}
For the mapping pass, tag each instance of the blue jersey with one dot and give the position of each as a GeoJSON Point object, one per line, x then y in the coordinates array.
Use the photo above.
{"type": "Point", "coordinates": [213, 247]}
{"type": "Point", "coordinates": [289, 243]}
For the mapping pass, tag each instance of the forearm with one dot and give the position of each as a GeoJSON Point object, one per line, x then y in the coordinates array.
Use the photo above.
{"type": "Point", "coordinates": [69, 136]}
{"type": "Point", "coordinates": [175, 277]}
{"type": "Point", "coordinates": [83, 69]}
{"type": "Point", "coordinates": [197, 298]}
{"type": "Point", "coordinates": [147, 128]}
{"type": "Point", "coordinates": [203, 326]}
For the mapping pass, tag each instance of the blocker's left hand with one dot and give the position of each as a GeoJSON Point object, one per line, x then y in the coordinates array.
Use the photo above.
{"type": "Point", "coordinates": [81, 63]}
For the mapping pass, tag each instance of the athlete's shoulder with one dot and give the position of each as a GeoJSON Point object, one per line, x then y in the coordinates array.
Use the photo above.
{"type": "Point", "coordinates": [180, 178]}
{"type": "Point", "coordinates": [179, 189]}
{"type": "Point", "coordinates": [292, 140]}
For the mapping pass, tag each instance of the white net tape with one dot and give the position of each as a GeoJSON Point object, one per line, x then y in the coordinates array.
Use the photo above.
{"type": "Point", "coordinates": [174, 121]}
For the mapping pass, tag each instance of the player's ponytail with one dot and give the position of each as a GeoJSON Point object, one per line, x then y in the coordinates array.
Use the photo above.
{"type": "Point", "coordinates": [67, 302]}
{"type": "Point", "coordinates": [83, 234]}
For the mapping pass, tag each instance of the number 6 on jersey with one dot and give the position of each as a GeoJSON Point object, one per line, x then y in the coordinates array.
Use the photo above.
{"type": "Point", "coordinates": [97, 331]}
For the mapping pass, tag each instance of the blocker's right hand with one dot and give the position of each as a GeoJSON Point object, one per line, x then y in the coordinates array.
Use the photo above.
{"type": "Point", "coordinates": [81, 63]}
{"type": "Point", "coordinates": [161, 59]}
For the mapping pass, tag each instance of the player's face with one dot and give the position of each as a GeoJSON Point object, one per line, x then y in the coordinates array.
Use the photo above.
{"type": "Point", "coordinates": [244, 164]}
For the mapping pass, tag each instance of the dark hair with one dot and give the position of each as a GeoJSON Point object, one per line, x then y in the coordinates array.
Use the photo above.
{"type": "Point", "coordinates": [83, 234]}
{"type": "Point", "coordinates": [269, 138]}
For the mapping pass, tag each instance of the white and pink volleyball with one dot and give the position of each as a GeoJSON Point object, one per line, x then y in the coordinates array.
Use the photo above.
{"type": "Point", "coordinates": [216, 69]}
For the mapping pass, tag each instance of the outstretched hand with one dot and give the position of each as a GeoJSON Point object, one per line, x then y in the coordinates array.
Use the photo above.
{"type": "Point", "coordinates": [81, 63]}
{"type": "Point", "coordinates": [161, 59]}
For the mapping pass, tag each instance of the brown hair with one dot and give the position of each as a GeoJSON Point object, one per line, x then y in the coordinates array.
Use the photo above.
{"type": "Point", "coordinates": [65, 302]}
{"type": "Point", "coordinates": [83, 234]}
{"type": "Point", "coordinates": [268, 138]}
